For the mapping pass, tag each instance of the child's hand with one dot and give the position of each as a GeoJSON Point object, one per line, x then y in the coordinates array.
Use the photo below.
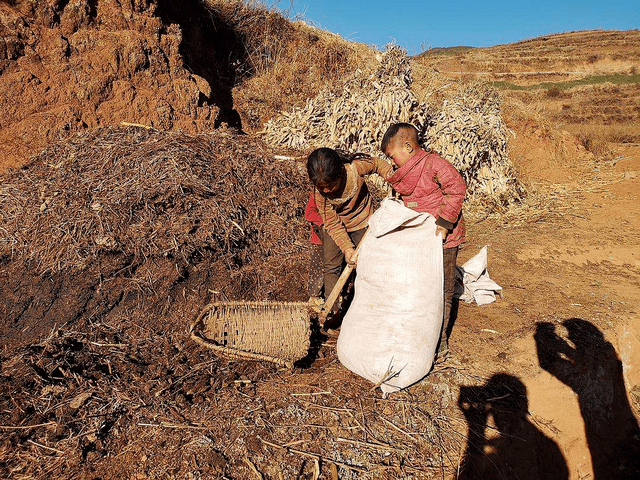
{"type": "Point", "coordinates": [443, 232]}
{"type": "Point", "coordinates": [350, 256]}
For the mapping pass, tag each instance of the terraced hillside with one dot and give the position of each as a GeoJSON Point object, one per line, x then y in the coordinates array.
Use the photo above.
{"type": "Point", "coordinates": [558, 57]}
{"type": "Point", "coordinates": [586, 82]}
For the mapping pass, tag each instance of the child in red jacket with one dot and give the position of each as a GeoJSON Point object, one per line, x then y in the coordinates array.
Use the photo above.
{"type": "Point", "coordinates": [428, 183]}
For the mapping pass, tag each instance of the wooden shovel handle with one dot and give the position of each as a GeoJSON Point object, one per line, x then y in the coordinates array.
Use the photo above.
{"type": "Point", "coordinates": [331, 299]}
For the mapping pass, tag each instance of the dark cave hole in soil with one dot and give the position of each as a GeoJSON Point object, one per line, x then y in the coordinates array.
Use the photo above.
{"type": "Point", "coordinates": [210, 49]}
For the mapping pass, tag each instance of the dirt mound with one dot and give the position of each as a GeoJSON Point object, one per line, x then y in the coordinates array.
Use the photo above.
{"type": "Point", "coordinates": [540, 152]}
{"type": "Point", "coordinates": [70, 66]}
{"type": "Point", "coordinates": [193, 65]}
{"type": "Point", "coordinates": [122, 220]}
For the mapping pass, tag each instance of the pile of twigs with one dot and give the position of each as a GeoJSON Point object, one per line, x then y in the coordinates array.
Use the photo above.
{"type": "Point", "coordinates": [143, 194]}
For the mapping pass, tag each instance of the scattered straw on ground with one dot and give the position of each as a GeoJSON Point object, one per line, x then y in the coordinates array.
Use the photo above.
{"type": "Point", "coordinates": [89, 402]}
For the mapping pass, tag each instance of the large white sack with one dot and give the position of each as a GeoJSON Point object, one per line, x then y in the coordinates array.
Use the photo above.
{"type": "Point", "coordinates": [391, 330]}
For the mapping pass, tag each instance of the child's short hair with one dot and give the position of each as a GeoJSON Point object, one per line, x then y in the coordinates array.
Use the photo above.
{"type": "Point", "coordinates": [405, 129]}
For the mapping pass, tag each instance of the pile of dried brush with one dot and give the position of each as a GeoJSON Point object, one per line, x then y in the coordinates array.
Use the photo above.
{"type": "Point", "coordinates": [357, 120]}
{"type": "Point", "coordinates": [468, 130]}
{"type": "Point", "coordinates": [147, 194]}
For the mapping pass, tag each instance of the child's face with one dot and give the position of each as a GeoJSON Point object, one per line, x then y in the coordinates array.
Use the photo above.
{"type": "Point", "coordinates": [400, 152]}
{"type": "Point", "coordinates": [329, 188]}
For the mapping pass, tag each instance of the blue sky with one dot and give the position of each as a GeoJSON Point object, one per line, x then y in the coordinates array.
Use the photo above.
{"type": "Point", "coordinates": [418, 25]}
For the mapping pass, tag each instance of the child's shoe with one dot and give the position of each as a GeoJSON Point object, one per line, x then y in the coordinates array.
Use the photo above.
{"type": "Point", "coordinates": [332, 323]}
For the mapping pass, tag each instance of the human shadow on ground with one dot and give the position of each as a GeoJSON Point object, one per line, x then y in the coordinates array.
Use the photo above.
{"type": "Point", "coordinates": [515, 448]}
{"type": "Point", "coordinates": [589, 364]}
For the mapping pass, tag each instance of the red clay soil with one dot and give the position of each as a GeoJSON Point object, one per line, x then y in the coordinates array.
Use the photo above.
{"type": "Point", "coordinates": [67, 67]}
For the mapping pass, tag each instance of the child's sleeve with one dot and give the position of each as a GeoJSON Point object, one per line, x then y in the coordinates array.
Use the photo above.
{"type": "Point", "coordinates": [332, 224]}
{"type": "Point", "coordinates": [373, 165]}
{"type": "Point", "coordinates": [453, 188]}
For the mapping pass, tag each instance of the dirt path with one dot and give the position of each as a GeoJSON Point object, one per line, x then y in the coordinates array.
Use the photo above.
{"type": "Point", "coordinates": [574, 273]}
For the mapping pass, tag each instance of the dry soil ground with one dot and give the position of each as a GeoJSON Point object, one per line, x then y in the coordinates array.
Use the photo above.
{"type": "Point", "coordinates": [541, 384]}
{"type": "Point", "coordinates": [573, 270]}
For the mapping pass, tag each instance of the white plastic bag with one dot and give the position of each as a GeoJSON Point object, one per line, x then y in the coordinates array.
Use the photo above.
{"type": "Point", "coordinates": [477, 285]}
{"type": "Point", "coordinates": [391, 330]}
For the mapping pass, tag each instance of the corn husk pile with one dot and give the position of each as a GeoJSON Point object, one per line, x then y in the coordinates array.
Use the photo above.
{"type": "Point", "coordinates": [468, 130]}
{"type": "Point", "coordinates": [357, 120]}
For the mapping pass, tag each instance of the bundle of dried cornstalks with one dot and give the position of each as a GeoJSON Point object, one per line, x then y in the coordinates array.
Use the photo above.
{"type": "Point", "coordinates": [470, 133]}
{"type": "Point", "coordinates": [468, 130]}
{"type": "Point", "coordinates": [357, 119]}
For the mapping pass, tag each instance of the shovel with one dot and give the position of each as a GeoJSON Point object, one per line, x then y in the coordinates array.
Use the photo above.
{"type": "Point", "coordinates": [335, 293]}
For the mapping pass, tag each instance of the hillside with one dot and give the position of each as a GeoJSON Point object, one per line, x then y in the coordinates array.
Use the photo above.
{"type": "Point", "coordinates": [585, 82]}
{"type": "Point", "coordinates": [67, 68]}
{"type": "Point", "coordinates": [558, 57]}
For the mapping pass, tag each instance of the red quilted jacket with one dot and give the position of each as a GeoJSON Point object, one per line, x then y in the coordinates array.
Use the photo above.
{"type": "Point", "coordinates": [428, 183]}
{"type": "Point", "coordinates": [313, 216]}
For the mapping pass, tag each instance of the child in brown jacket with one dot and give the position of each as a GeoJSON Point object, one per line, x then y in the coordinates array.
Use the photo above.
{"type": "Point", "coordinates": [343, 202]}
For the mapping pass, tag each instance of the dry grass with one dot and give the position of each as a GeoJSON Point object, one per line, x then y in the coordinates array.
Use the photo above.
{"type": "Point", "coordinates": [629, 133]}
{"type": "Point", "coordinates": [594, 143]}
{"type": "Point", "coordinates": [429, 85]}
{"type": "Point", "coordinates": [596, 114]}
{"type": "Point", "coordinates": [263, 32]}
{"type": "Point", "coordinates": [293, 76]}
{"type": "Point", "coordinates": [286, 62]}
{"type": "Point", "coordinates": [148, 194]}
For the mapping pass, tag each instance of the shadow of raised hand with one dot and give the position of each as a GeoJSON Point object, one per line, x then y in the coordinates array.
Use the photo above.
{"type": "Point", "coordinates": [589, 364]}
{"type": "Point", "coordinates": [555, 355]}
{"type": "Point", "coordinates": [514, 448]}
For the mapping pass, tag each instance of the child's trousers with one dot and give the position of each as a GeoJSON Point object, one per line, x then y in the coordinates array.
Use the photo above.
{"type": "Point", "coordinates": [449, 256]}
{"type": "Point", "coordinates": [334, 259]}
{"type": "Point", "coordinates": [316, 274]}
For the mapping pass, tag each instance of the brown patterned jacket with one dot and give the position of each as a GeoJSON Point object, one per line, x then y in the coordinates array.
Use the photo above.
{"type": "Point", "coordinates": [352, 210]}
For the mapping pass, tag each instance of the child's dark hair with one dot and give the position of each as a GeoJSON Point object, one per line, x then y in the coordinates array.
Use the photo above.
{"type": "Point", "coordinates": [393, 130]}
{"type": "Point", "coordinates": [325, 165]}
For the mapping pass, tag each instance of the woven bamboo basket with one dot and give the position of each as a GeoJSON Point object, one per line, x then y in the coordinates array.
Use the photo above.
{"type": "Point", "coordinates": [277, 332]}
